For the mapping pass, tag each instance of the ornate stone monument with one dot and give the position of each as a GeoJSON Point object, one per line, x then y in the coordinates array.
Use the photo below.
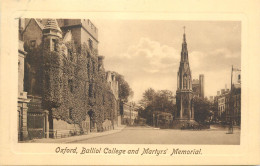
{"type": "Point", "coordinates": [184, 116]}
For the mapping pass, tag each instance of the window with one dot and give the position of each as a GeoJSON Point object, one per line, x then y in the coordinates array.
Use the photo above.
{"type": "Point", "coordinates": [54, 45]}
{"type": "Point", "coordinates": [239, 78]}
{"type": "Point", "coordinates": [90, 91]}
{"type": "Point", "coordinates": [93, 65]}
{"type": "Point", "coordinates": [90, 44]}
{"type": "Point", "coordinates": [185, 82]}
{"type": "Point", "coordinates": [88, 68]}
{"type": "Point", "coordinates": [70, 113]}
{"type": "Point", "coordinates": [99, 67]}
{"type": "Point", "coordinates": [70, 83]}
{"type": "Point", "coordinates": [33, 43]}
{"type": "Point", "coordinates": [70, 54]}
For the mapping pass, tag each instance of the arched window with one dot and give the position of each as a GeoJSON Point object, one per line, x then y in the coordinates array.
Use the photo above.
{"type": "Point", "coordinates": [185, 82]}
{"type": "Point", "coordinates": [70, 83]}
{"type": "Point", "coordinates": [90, 91]}
{"type": "Point", "coordinates": [70, 53]}
{"type": "Point", "coordinates": [70, 113]}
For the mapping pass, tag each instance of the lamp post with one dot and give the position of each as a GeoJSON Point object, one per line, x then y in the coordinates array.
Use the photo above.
{"type": "Point", "coordinates": [231, 105]}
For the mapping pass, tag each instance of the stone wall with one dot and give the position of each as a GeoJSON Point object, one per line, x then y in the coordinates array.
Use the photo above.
{"type": "Point", "coordinates": [63, 129]}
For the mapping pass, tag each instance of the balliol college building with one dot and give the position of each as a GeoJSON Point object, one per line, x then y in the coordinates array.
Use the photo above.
{"type": "Point", "coordinates": [64, 89]}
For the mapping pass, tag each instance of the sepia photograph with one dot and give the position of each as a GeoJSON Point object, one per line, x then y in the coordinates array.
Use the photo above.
{"type": "Point", "coordinates": [129, 82]}
{"type": "Point", "coordinates": [121, 81]}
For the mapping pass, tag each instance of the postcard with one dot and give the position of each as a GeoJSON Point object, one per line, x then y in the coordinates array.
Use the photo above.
{"type": "Point", "coordinates": [125, 84]}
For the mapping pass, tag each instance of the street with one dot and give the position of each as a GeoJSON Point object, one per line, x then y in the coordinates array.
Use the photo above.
{"type": "Point", "coordinates": [149, 135]}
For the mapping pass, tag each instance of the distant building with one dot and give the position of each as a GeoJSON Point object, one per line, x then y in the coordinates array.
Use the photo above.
{"type": "Point", "coordinates": [198, 86]}
{"type": "Point", "coordinates": [130, 113]}
{"type": "Point", "coordinates": [223, 106]}
{"type": "Point", "coordinates": [235, 103]}
{"type": "Point", "coordinates": [229, 101]}
{"type": "Point", "coordinates": [211, 99]}
{"type": "Point", "coordinates": [113, 83]}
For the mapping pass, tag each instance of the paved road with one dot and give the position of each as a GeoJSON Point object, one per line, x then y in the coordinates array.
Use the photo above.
{"type": "Point", "coordinates": [149, 135]}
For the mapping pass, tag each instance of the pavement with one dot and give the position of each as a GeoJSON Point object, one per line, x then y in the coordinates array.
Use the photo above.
{"type": "Point", "coordinates": [150, 135]}
{"type": "Point", "coordinates": [78, 138]}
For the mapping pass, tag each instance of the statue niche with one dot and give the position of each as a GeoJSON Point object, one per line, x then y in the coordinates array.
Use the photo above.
{"type": "Point", "coordinates": [185, 107]}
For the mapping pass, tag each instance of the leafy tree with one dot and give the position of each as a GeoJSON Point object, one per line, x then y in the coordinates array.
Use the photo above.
{"type": "Point", "coordinates": [201, 109]}
{"type": "Point", "coordinates": [161, 100]}
{"type": "Point", "coordinates": [125, 92]}
{"type": "Point", "coordinates": [148, 97]}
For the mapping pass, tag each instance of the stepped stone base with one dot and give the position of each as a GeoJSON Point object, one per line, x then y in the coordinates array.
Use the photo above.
{"type": "Point", "coordinates": [183, 123]}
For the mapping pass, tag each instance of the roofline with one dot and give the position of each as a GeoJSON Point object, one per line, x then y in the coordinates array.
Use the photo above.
{"type": "Point", "coordinates": [80, 25]}
{"type": "Point", "coordinates": [30, 22]}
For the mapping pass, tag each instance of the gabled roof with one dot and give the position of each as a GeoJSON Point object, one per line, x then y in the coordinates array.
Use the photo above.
{"type": "Point", "coordinates": [37, 22]}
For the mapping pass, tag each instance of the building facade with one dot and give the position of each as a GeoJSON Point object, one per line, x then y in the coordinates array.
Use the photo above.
{"type": "Point", "coordinates": [113, 83]}
{"type": "Point", "coordinates": [198, 86]}
{"type": "Point", "coordinates": [229, 104]}
{"type": "Point", "coordinates": [22, 108]}
{"type": "Point", "coordinates": [65, 79]}
{"type": "Point", "coordinates": [130, 113]}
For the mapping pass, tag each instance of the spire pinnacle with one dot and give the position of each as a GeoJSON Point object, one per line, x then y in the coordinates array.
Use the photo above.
{"type": "Point", "coordinates": [184, 51]}
{"type": "Point", "coordinates": [52, 24]}
{"type": "Point", "coordinates": [184, 36]}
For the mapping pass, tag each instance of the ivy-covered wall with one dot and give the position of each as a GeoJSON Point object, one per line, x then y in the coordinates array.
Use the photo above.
{"type": "Point", "coordinates": [70, 83]}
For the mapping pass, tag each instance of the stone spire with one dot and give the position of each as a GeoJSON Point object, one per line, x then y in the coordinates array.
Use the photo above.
{"type": "Point", "coordinates": [52, 24]}
{"type": "Point", "coordinates": [184, 73]}
{"type": "Point", "coordinates": [184, 95]}
{"type": "Point", "coordinates": [184, 50]}
{"type": "Point", "coordinates": [52, 28]}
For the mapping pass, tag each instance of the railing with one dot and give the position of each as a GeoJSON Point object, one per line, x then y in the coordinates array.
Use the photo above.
{"type": "Point", "coordinates": [56, 134]}
{"type": "Point", "coordinates": [35, 133]}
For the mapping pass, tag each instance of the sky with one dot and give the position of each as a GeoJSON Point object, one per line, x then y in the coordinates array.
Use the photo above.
{"type": "Point", "coordinates": [147, 52]}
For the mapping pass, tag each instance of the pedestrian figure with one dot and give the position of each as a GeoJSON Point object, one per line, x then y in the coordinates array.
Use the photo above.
{"type": "Point", "coordinates": [230, 128]}
{"type": "Point", "coordinates": [183, 127]}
